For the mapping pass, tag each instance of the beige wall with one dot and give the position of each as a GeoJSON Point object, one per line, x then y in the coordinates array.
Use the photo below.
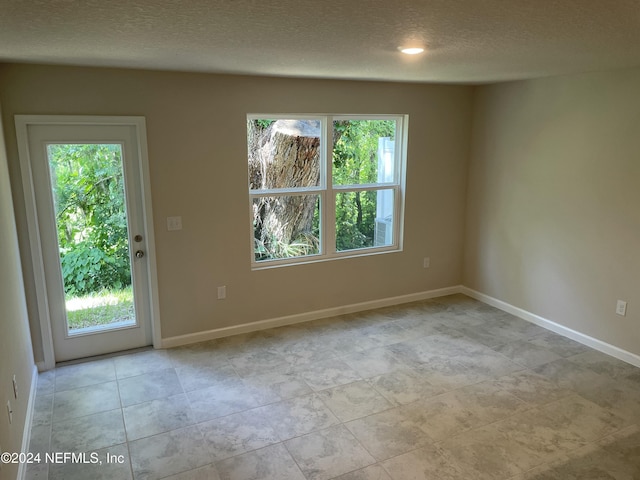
{"type": "Point", "coordinates": [197, 150]}
{"type": "Point", "coordinates": [16, 357]}
{"type": "Point", "coordinates": [553, 219]}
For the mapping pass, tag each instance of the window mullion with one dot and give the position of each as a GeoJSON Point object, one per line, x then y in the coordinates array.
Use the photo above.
{"type": "Point", "coordinates": [285, 191]}
{"type": "Point", "coordinates": [365, 187]}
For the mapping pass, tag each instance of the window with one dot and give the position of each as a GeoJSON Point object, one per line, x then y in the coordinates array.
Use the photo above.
{"type": "Point", "coordinates": [324, 186]}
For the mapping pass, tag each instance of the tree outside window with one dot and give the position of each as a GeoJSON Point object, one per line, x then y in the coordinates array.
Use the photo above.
{"type": "Point", "coordinates": [324, 186]}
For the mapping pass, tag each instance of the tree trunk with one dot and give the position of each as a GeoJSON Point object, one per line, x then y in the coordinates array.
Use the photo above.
{"type": "Point", "coordinates": [285, 155]}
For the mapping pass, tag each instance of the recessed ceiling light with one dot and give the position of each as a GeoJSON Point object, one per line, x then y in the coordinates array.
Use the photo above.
{"type": "Point", "coordinates": [411, 50]}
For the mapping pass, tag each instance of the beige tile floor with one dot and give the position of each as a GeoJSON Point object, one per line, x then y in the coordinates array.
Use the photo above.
{"type": "Point", "coordinates": [442, 389]}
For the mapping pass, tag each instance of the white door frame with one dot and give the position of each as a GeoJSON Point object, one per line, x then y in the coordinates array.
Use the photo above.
{"type": "Point", "coordinates": [139, 124]}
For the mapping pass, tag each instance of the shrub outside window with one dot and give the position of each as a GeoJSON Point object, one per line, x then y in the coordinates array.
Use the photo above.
{"type": "Point", "coordinates": [325, 186]}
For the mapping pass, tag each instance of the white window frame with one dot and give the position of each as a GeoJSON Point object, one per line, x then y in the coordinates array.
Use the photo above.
{"type": "Point", "coordinates": [327, 192]}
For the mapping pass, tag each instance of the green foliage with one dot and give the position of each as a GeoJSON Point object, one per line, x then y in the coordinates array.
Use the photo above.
{"type": "Point", "coordinates": [88, 188]}
{"type": "Point", "coordinates": [263, 124]}
{"type": "Point", "coordinates": [86, 269]}
{"type": "Point", "coordinates": [100, 308]}
{"type": "Point", "coordinates": [355, 162]}
{"type": "Point", "coordinates": [355, 150]}
{"type": "Point", "coordinates": [355, 220]}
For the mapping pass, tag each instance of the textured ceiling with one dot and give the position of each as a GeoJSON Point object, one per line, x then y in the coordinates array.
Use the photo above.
{"type": "Point", "coordinates": [471, 41]}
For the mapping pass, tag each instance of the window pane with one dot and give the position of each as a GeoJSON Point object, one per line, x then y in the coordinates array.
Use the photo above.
{"type": "Point", "coordinates": [286, 226]}
{"type": "Point", "coordinates": [364, 219]}
{"type": "Point", "coordinates": [283, 153]}
{"type": "Point", "coordinates": [363, 151]}
{"type": "Point", "coordinates": [93, 239]}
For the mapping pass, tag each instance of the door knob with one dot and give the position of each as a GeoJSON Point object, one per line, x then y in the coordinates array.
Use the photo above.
{"type": "Point", "coordinates": [139, 254]}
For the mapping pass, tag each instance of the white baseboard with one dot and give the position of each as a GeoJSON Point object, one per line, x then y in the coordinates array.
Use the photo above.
{"type": "Point", "coordinates": [304, 317]}
{"type": "Point", "coordinates": [26, 434]}
{"type": "Point", "coordinates": [599, 345]}
{"type": "Point", "coordinates": [594, 343]}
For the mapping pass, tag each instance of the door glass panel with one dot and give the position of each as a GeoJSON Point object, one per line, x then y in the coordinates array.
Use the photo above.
{"type": "Point", "coordinates": [91, 221]}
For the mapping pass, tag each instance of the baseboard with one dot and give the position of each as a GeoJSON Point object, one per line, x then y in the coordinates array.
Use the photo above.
{"type": "Point", "coordinates": [594, 343]}
{"type": "Point", "coordinates": [41, 366]}
{"type": "Point", "coordinates": [580, 337]}
{"type": "Point", "coordinates": [26, 434]}
{"type": "Point", "coordinates": [305, 317]}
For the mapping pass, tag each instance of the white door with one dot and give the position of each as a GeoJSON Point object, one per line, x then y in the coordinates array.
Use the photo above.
{"type": "Point", "coordinates": [95, 233]}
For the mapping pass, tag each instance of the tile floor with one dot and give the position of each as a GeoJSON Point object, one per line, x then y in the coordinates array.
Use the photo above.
{"type": "Point", "coordinates": [442, 389]}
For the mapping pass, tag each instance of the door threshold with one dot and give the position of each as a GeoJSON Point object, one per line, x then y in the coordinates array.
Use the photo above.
{"type": "Point", "coordinates": [102, 357]}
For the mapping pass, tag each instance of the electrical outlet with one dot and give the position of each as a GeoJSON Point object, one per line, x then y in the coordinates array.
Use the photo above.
{"type": "Point", "coordinates": [426, 263]}
{"type": "Point", "coordinates": [222, 292]}
{"type": "Point", "coordinates": [621, 308]}
{"type": "Point", "coordinates": [9, 412]}
{"type": "Point", "coordinates": [15, 387]}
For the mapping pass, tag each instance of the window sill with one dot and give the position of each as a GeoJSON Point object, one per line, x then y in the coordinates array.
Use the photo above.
{"type": "Point", "coordinates": [291, 262]}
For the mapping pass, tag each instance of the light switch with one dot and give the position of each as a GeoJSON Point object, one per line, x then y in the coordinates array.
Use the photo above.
{"type": "Point", "coordinates": [174, 223]}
